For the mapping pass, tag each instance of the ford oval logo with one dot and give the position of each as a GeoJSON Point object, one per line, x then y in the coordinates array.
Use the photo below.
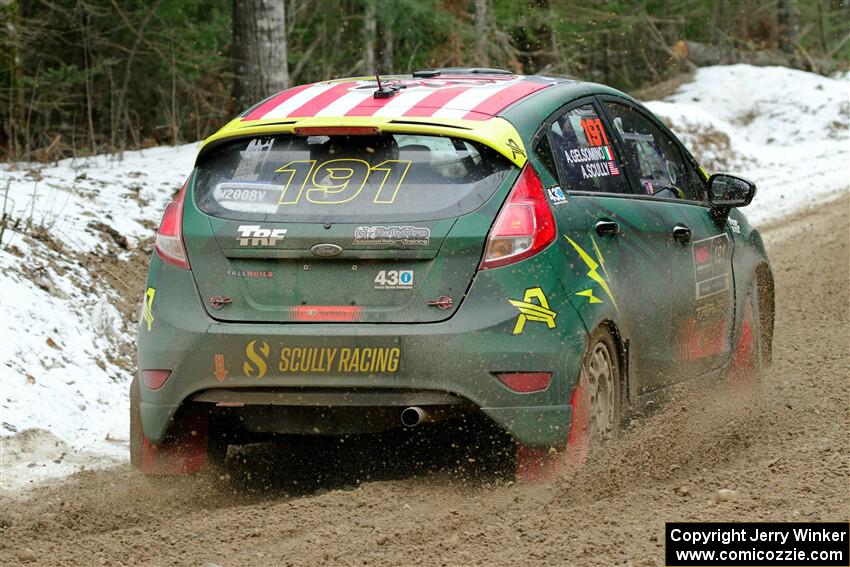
{"type": "Point", "coordinates": [326, 250]}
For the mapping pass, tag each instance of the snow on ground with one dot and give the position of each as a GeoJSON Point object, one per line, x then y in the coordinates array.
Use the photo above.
{"type": "Point", "coordinates": [784, 129]}
{"type": "Point", "coordinates": [63, 398]}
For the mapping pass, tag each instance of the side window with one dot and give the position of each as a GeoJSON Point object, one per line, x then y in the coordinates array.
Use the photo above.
{"type": "Point", "coordinates": [543, 149]}
{"type": "Point", "coordinates": [654, 157]}
{"type": "Point", "coordinates": [584, 153]}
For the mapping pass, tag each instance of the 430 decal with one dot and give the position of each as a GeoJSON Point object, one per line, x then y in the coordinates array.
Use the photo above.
{"type": "Point", "coordinates": [340, 180]}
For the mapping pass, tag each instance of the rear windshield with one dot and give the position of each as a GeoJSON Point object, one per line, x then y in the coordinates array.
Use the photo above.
{"type": "Point", "coordinates": [390, 177]}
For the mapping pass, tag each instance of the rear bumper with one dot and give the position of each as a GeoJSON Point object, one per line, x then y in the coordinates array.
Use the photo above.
{"type": "Point", "coordinates": [457, 357]}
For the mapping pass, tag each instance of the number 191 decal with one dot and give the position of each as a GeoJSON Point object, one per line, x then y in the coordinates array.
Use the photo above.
{"type": "Point", "coordinates": [339, 181]}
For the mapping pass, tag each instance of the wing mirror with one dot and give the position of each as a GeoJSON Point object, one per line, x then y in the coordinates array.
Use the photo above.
{"type": "Point", "coordinates": [726, 191]}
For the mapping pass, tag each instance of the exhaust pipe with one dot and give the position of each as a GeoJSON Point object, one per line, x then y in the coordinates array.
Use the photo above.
{"type": "Point", "coordinates": [413, 416]}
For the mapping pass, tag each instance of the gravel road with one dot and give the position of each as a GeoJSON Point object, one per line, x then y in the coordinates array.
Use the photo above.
{"type": "Point", "coordinates": [781, 453]}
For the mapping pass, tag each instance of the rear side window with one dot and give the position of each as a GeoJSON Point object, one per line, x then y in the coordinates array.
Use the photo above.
{"type": "Point", "coordinates": [391, 177]}
{"type": "Point", "coordinates": [585, 153]}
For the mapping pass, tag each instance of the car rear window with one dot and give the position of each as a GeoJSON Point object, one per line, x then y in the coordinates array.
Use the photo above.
{"type": "Point", "coordinates": [390, 177]}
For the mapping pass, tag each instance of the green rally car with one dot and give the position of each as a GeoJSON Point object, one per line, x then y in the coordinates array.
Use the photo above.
{"type": "Point", "coordinates": [355, 256]}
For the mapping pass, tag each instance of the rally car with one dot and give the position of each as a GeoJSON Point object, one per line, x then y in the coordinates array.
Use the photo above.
{"type": "Point", "coordinates": [358, 255]}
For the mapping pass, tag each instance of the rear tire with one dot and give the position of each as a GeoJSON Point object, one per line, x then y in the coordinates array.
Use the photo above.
{"type": "Point", "coordinates": [596, 416]}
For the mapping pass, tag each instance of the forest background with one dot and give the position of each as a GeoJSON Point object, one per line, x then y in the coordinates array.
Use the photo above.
{"type": "Point", "coordinates": [79, 77]}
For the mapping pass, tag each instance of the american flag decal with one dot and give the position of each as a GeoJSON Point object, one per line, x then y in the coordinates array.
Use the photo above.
{"type": "Point", "coordinates": [612, 167]}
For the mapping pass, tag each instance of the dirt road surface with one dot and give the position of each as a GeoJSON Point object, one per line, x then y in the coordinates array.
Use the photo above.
{"type": "Point", "coordinates": [784, 452]}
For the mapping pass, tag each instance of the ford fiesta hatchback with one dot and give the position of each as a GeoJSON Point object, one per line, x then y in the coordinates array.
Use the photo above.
{"type": "Point", "coordinates": [351, 257]}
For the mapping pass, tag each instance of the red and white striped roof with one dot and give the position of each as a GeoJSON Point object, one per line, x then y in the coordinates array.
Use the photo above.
{"type": "Point", "coordinates": [464, 97]}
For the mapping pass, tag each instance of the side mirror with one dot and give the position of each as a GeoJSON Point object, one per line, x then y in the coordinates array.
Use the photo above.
{"type": "Point", "coordinates": [726, 191]}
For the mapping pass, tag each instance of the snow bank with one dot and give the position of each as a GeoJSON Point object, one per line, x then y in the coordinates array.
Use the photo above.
{"type": "Point", "coordinates": [787, 130]}
{"type": "Point", "coordinates": [63, 400]}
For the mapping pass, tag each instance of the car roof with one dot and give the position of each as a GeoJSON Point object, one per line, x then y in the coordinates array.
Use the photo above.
{"type": "Point", "coordinates": [489, 106]}
{"type": "Point", "coordinates": [466, 94]}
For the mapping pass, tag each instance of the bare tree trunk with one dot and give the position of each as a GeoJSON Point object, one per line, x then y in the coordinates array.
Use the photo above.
{"type": "Point", "coordinates": [481, 33]}
{"type": "Point", "coordinates": [87, 78]}
{"type": "Point", "coordinates": [789, 26]}
{"type": "Point", "coordinates": [370, 28]}
{"type": "Point", "coordinates": [12, 60]}
{"type": "Point", "coordinates": [387, 65]}
{"type": "Point", "coordinates": [259, 50]}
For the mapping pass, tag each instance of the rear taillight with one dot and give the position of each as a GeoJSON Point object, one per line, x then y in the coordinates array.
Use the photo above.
{"type": "Point", "coordinates": [169, 237]}
{"type": "Point", "coordinates": [525, 225]}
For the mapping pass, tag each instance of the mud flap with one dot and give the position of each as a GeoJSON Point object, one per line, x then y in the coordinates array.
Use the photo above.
{"type": "Point", "coordinates": [745, 359]}
{"type": "Point", "coordinates": [535, 465]}
{"type": "Point", "coordinates": [184, 454]}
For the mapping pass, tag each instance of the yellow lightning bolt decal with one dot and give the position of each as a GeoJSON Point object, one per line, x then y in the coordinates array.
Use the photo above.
{"type": "Point", "coordinates": [593, 266]}
{"type": "Point", "coordinates": [588, 293]}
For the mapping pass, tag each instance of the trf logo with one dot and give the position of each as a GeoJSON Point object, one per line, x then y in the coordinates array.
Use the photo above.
{"type": "Point", "coordinates": [254, 235]}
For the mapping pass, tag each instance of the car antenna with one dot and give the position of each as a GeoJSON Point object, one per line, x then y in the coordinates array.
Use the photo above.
{"type": "Point", "coordinates": [382, 92]}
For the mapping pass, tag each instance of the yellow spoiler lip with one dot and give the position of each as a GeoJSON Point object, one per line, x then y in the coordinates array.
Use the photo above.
{"type": "Point", "coordinates": [496, 132]}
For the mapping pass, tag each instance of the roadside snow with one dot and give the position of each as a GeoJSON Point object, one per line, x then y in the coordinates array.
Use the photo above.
{"type": "Point", "coordinates": [63, 400]}
{"type": "Point", "coordinates": [784, 129]}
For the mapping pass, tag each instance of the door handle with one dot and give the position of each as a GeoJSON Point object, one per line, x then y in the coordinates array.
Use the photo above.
{"type": "Point", "coordinates": [607, 228]}
{"type": "Point", "coordinates": [681, 233]}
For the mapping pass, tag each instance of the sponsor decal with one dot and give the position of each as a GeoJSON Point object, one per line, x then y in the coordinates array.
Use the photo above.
{"type": "Point", "coordinates": [220, 369]}
{"type": "Point", "coordinates": [515, 148]}
{"type": "Point", "coordinates": [249, 274]}
{"type": "Point", "coordinates": [257, 354]}
{"type": "Point", "coordinates": [394, 279]}
{"type": "Point", "coordinates": [354, 360]}
{"type": "Point", "coordinates": [593, 272]}
{"type": "Point", "coordinates": [711, 265]}
{"type": "Point", "coordinates": [556, 194]}
{"type": "Point", "coordinates": [734, 226]}
{"type": "Point", "coordinates": [255, 235]}
{"type": "Point", "coordinates": [147, 308]}
{"type": "Point", "coordinates": [319, 360]}
{"type": "Point", "coordinates": [704, 334]}
{"type": "Point", "coordinates": [533, 307]}
{"type": "Point", "coordinates": [401, 235]}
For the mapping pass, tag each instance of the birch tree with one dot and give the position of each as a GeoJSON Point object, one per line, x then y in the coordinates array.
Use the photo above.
{"type": "Point", "coordinates": [259, 50]}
